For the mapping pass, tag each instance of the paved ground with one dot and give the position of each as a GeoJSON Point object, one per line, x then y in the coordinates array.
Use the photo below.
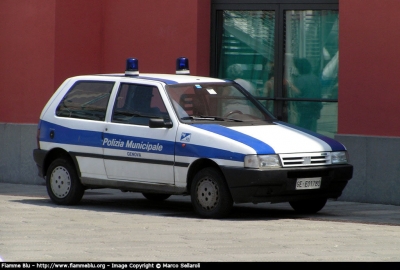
{"type": "Point", "coordinates": [111, 226]}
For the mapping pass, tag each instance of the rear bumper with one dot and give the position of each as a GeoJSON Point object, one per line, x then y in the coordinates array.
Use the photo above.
{"type": "Point", "coordinates": [39, 157]}
{"type": "Point", "coordinates": [253, 185]}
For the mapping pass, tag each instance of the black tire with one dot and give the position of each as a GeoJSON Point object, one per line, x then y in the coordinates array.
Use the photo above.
{"type": "Point", "coordinates": [210, 194]}
{"type": "Point", "coordinates": [63, 184]}
{"type": "Point", "coordinates": [158, 197]}
{"type": "Point", "coordinates": [308, 206]}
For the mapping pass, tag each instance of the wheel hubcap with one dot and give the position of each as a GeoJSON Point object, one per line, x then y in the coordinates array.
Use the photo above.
{"type": "Point", "coordinates": [60, 182]}
{"type": "Point", "coordinates": [207, 194]}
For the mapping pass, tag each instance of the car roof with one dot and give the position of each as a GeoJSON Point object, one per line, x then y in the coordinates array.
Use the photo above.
{"type": "Point", "coordinates": [168, 79]}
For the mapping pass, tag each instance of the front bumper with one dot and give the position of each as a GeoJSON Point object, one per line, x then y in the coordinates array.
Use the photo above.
{"type": "Point", "coordinates": [279, 185]}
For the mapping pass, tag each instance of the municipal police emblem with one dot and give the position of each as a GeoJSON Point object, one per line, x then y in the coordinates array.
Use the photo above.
{"type": "Point", "coordinates": [185, 137]}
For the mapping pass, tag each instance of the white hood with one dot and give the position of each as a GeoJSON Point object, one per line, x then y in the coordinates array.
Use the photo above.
{"type": "Point", "coordinates": [284, 139]}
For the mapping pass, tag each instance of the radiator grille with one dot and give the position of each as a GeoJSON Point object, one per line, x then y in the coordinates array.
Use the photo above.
{"type": "Point", "coordinates": [305, 159]}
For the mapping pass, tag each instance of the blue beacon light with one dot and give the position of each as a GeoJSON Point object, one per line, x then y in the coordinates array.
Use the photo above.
{"type": "Point", "coordinates": [182, 66]}
{"type": "Point", "coordinates": [132, 67]}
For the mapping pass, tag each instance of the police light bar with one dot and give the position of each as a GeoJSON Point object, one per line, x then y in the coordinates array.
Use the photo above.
{"type": "Point", "coordinates": [132, 67]}
{"type": "Point", "coordinates": [182, 66]}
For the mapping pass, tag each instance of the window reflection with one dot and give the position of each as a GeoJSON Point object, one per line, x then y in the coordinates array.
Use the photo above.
{"type": "Point", "coordinates": [248, 39]}
{"type": "Point", "coordinates": [311, 69]}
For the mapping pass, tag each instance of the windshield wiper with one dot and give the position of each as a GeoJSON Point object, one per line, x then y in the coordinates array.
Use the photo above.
{"type": "Point", "coordinates": [203, 117]}
{"type": "Point", "coordinates": [195, 118]}
{"type": "Point", "coordinates": [216, 118]}
{"type": "Point", "coordinates": [209, 117]}
{"type": "Point", "coordinates": [233, 119]}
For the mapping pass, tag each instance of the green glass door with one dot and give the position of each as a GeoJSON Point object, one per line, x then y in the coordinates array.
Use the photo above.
{"type": "Point", "coordinates": [310, 81]}
{"type": "Point", "coordinates": [287, 58]}
{"type": "Point", "coordinates": [248, 52]}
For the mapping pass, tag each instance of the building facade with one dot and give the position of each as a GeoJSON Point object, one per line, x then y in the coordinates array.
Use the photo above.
{"type": "Point", "coordinates": [279, 46]}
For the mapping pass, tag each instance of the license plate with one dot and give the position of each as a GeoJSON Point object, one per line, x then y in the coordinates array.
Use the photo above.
{"type": "Point", "coordinates": [308, 183]}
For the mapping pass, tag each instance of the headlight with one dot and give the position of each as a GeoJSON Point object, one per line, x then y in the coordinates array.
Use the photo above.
{"type": "Point", "coordinates": [339, 157]}
{"type": "Point", "coordinates": [262, 162]}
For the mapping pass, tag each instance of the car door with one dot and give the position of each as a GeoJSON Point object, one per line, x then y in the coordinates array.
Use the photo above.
{"type": "Point", "coordinates": [132, 150]}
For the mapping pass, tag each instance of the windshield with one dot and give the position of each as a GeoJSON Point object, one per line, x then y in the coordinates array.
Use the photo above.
{"type": "Point", "coordinates": [215, 101]}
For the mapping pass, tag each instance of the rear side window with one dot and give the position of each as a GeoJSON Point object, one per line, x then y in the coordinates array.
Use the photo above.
{"type": "Point", "coordinates": [86, 100]}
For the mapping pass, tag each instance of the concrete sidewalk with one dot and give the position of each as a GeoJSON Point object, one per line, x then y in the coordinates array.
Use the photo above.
{"type": "Point", "coordinates": [112, 226]}
{"type": "Point", "coordinates": [335, 210]}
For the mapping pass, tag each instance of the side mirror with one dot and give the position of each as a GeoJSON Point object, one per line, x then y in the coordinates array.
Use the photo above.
{"type": "Point", "coordinates": [159, 123]}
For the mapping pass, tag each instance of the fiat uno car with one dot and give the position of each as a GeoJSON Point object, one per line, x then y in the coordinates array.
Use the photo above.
{"type": "Point", "coordinates": [163, 135]}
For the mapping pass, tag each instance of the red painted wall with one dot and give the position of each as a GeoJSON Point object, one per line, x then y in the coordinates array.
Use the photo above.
{"type": "Point", "coordinates": [27, 58]}
{"type": "Point", "coordinates": [78, 38]}
{"type": "Point", "coordinates": [45, 42]}
{"type": "Point", "coordinates": [369, 80]}
{"type": "Point", "coordinates": [156, 33]}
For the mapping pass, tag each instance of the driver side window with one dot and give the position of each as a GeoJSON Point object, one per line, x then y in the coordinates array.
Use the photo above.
{"type": "Point", "coordinates": [136, 104]}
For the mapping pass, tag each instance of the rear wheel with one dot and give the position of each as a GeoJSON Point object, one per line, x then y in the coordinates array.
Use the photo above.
{"type": "Point", "coordinates": [210, 194]}
{"type": "Point", "coordinates": [63, 184]}
{"type": "Point", "coordinates": [156, 196]}
{"type": "Point", "coordinates": [308, 206]}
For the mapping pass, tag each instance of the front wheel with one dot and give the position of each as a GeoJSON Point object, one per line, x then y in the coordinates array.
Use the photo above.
{"type": "Point", "coordinates": [311, 206]}
{"type": "Point", "coordinates": [210, 194]}
{"type": "Point", "coordinates": [63, 184]}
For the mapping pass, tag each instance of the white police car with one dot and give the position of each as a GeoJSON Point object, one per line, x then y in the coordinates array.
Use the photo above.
{"type": "Point", "coordinates": [165, 135]}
